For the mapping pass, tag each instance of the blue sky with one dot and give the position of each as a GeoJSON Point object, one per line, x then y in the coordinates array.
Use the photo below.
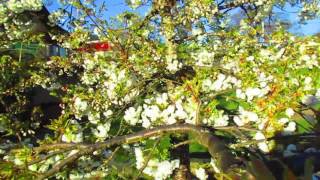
{"type": "Point", "coordinates": [311, 27]}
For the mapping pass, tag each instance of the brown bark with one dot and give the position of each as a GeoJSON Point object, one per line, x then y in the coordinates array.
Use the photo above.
{"type": "Point", "coordinates": [216, 147]}
{"type": "Point", "coordinates": [181, 153]}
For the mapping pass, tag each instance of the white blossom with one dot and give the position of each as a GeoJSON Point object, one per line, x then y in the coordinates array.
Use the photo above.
{"type": "Point", "coordinates": [222, 82]}
{"type": "Point", "coordinates": [19, 6]}
{"type": "Point", "coordinates": [102, 130]}
{"type": "Point", "coordinates": [139, 157]}
{"type": "Point", "coordinates": [204, 58]}
{"type": "Point", "coordinates": [151, 112]}
{"type": "Point", "coordinates": [259, 2]}
{"type": "Point", "coordinates": [289, 112]}
{"type": "Point", "coordinates": [217, 84]}
{"type": "Point", "coordinates": [173, 65]}
{"type": "Point", "coordinates": [93, 117]}
{"type": "Point", "coordinates": [169, 115]}
{"type": "Point", "coordinates": [245, 117]}
{"type": "Point", "coordinates": [33, 167]}
{"type": "Point", "coordinates": [307, 83]}
{"type": "Point", "coordinates": [162, 99]}
{"type": "Point", "coordinates": [18, 162]}
{"type": "Point", "coordinates": [161, 170]}
{"type": "Point", "coordinates": [217, 119]}
{"type": "Point", "coordinates": [263, 146]}
{"type": "Point", "coordinates": [221, 121]}
{"type": "Point", "coordinates": [201, 174]}
{"type": "Point", "coordinates": [108, 113]}
{"type": "Point", "coordinates": [240, 94]}
{"type": "Point", "coordinates": [196, 31]}
{"type": "Point", "coordinates": [55, 17]}
{"type": "Point", "coordinates": [132, 114]}
{"type": "Point", "coordinates": [135, 3]}
{"type": "Point", "coordinates": [255, 92]}
{"type": "Point", "coordinates": [291, 127]}
{"type": "Point", "coordinates": [145, 122]}
{"type": "Point", "coordinates": [80, 104]}
{"type": "Point", "coordinates": [180, 113]}
{"type": "Point", "coordinates": [283, 120]}
{"type": "Point", "coordinates": [250, 58]}
{"type": "Point", "coordinates": [75, 136]}
{"type": "Point", "coordinates": [3, 13]}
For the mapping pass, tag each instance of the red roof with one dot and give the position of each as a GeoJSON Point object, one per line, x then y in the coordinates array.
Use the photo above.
{"type": "Point", "coordinates": [95, 47]}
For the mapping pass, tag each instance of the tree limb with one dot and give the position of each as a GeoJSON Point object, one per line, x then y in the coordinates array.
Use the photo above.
{"type": "Point", "coordinates": [216, 147]}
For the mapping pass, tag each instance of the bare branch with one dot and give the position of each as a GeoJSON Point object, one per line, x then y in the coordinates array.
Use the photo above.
{"type": "Point", "coordinates": [66, 161]}
{"type": "Point", "coordinates": [182, 143]}
{"type": "Point", "coordinates": [48, 156]}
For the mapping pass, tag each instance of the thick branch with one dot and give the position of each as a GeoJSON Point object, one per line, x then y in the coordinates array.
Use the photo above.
{"type": "Point", "coordinates": [216, 146]}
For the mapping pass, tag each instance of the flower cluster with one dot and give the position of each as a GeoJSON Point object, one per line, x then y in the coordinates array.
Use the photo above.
{"type": "Point", "coordinates": [18, 6]}
{"type": "Point", "coordinates": [217, 119]}
{"type": "Point", "coordinates": [161, 109]}
{"type": "Point", "coordinates": [55, 17]}
{"type": "Point", "coordinates": [222, 82]}
{"type": "Point", "coordinates": [135, 3]}
{"type": "Point", "coordinates": [245, 117]}
{"type": "Point", "coordinates": [73, 133]}
{"type": "Point", "coordinates": [204, 58]}
{"type": "Point", "coordinates": [263, 146]}
{"type": "Point", "coordinates": [201, 174]}
{"type": "Point", "coordinates": [3, 13]}
{"type": "Point", "coordinates": [158, 170]}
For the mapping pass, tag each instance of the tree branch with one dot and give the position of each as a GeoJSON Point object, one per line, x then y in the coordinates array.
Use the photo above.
{"type": "Point", "coordinates": [216, 147]}
{"type": "Point", "coordinates": [66, 161]}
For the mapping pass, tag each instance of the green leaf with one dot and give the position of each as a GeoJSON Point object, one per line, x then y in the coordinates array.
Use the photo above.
{"type": "Point", "coordinates": [229, 105]}
{"type": "Point", "coordinates": [6, 169]}
{"type": "Point", "coordinates": [196, 147]}
{"type": "Point", "coordinates": [161, 150]}
{"type": "Point", "coordinates": [303, 125]}
{"type": "Point", "coordinates": [316, 106]}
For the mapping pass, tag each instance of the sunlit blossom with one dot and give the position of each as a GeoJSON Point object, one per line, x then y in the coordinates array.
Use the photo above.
{"type": "Point", "coordinates": [201, 174]}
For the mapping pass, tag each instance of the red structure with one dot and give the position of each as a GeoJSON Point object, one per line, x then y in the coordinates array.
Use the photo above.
{"type": "Point", "coordinates": [95, 46]}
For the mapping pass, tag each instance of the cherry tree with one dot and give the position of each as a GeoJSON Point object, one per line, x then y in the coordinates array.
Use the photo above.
{"type": "Point", "coordinates": [184, 92]}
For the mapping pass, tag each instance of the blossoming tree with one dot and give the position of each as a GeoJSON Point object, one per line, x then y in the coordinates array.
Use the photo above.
{"type": "Point", "coordinates": [185, 92]}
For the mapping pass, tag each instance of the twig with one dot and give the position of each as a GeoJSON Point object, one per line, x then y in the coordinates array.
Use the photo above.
{"type": "Point", "coordinates": [147, 159]}
{"type": "Point", "coordinates": [57, 146]}
{"type": "Point", "coordinates": [66, 161]}
{"type": "Point", "coordinates": [182, 143]}
{"type": "Point", "coordinates": [198, 112]}
{"type": "Point", "coordinates": [112, 155]}
{"type": "Point", "coordinates": [235, 128]}
{"type": "Point", "coordinates": [49, 156]}
{"type": "Point", "coordinates": [90, 17]}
